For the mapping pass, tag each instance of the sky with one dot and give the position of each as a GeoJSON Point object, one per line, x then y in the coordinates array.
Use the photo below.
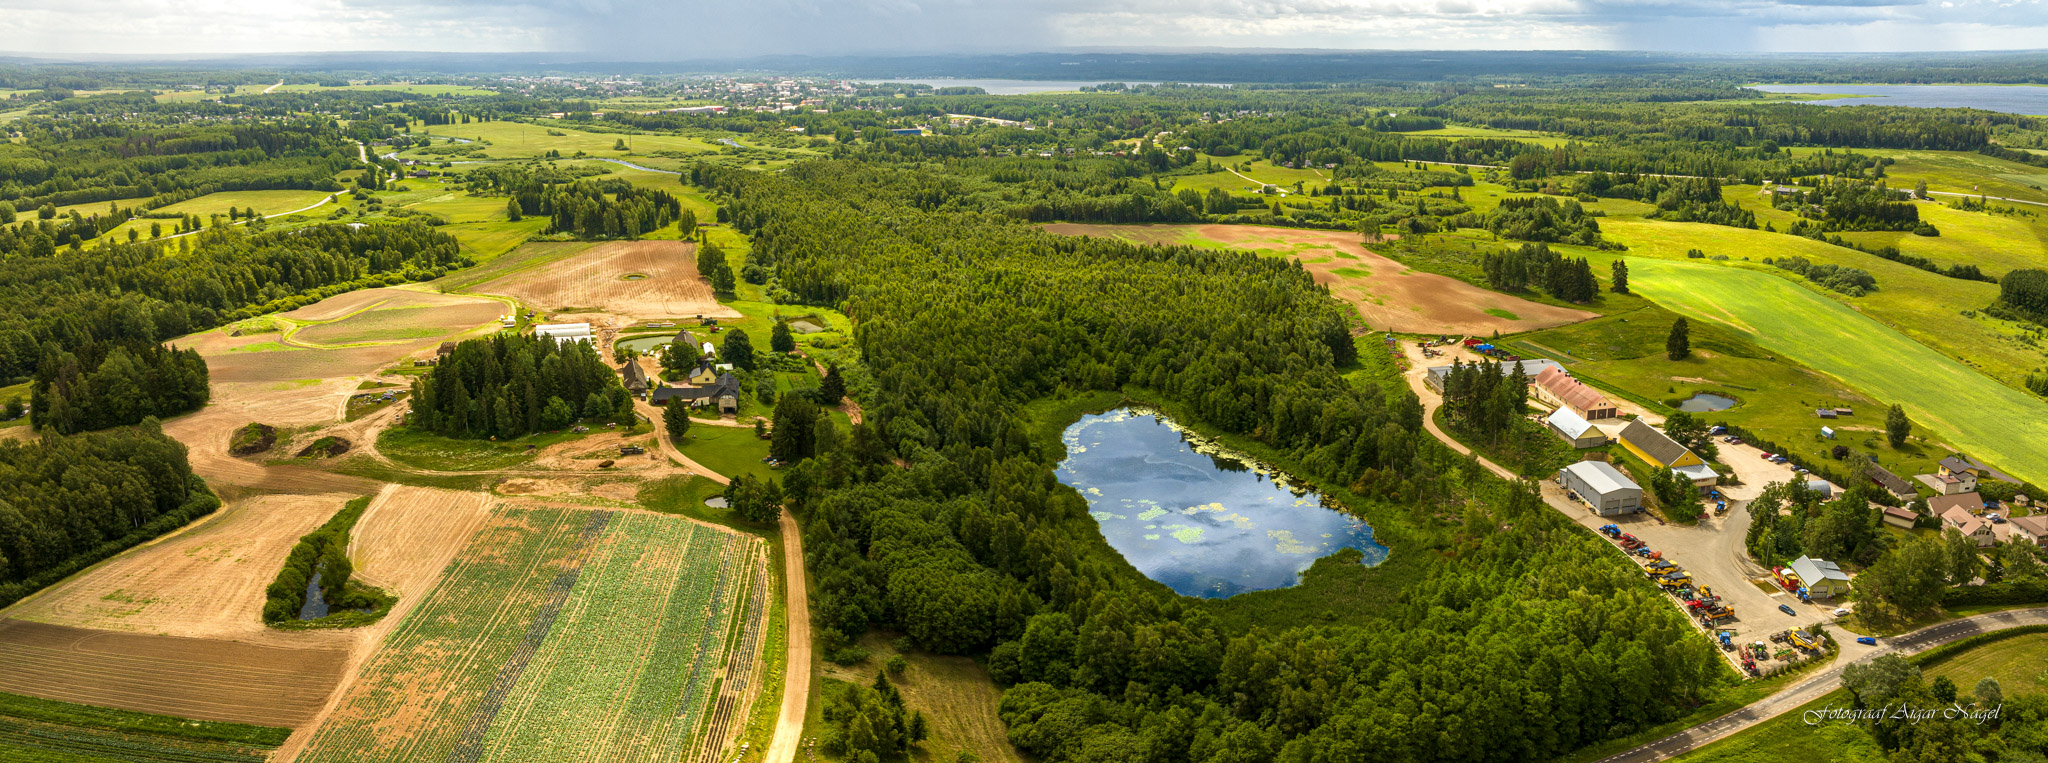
{"type": "Point", "coordinates": [674, 30]}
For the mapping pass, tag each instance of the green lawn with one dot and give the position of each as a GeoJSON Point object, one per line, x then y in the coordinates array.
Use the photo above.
{"type": "Point", "coordinates": [730, 451]}
{"type": "Point", "coordinates": [2000, 424]}
{"type": "Point", "coordinates": [2020, 664]}
{"type": "Point", "coordinates": [422, 450]}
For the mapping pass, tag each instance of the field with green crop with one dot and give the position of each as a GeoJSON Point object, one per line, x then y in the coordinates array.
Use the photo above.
{"type": "Point", "coordinates": [566, 635]}
{"type": "Point", "coordinates": [34, 729]}
{"type": "Point", "coordinates": [1925, 307]}
{"type": "Point", "coordinates": [1456, 132]}
{"type": "Point", "coordinates": [2003, 425]}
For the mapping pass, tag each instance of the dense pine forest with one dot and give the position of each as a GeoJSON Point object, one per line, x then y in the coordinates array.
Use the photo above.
{"type": "Point", "coordinates": [977, 549]}
{"type": "Point", "coordinates": [510, 385]}
{"type": "Point", "coordinates": [67, 502]}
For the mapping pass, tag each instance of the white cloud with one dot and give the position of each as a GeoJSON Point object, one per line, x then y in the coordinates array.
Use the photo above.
{"type": "Point", "coordinates": [658, 30]}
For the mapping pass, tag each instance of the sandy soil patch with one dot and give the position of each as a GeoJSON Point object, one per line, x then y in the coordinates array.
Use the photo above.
{"type": "Point", "coordinates": [408, 534]}
{"type": "Point", "coordinates": [1388, 294]}
{"type": "Point", "coordinates": [204, 582]}
{"type": "Point", "coordinates": [386, 298]}
{"type": "Point", "coordinates": [584, 455]}
{"type": "Point", "coordinates": [282, 405]}
{"type": "Point", "coordinates": [596, 279]}
{"type": "Point", "coordinates": [207, 679]}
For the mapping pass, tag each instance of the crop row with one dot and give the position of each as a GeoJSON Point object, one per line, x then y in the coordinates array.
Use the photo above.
{"type": "Point", "coordinates": [34, 740]}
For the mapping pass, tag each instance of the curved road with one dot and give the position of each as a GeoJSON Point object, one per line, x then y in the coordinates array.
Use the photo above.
{"type": "Point", "coordinates": [1826, 681]}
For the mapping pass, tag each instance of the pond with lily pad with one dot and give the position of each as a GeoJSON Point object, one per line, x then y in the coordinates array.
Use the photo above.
{"type": "Point", "coordinates": [1189, 513]}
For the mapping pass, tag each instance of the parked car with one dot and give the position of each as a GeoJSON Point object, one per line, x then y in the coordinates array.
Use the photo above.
{"type": "Point", "coordinates": [1841, 613]}
{"type": "Point", "coordinates": [1787, 609]}
{"type": "Point", "coordinates": [1866, 640]}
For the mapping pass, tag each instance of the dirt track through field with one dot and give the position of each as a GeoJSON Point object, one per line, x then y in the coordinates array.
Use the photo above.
{"type": "Point", "coordinates": [207, 679]}
{"type": "Point", "coordinates": [595, 279]}
{"type": "Point", "coordinates": [1388, 294]}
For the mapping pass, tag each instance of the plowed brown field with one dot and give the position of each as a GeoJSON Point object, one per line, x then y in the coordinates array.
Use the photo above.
{"type": "Point", "coordinates": [409, 534]}
{"type": "Point", "coordinates": [596, 280]}
{"type": "Point", "coordinates": [1386, 293]}
{"type": "Point", "coordinates": [207, 679]}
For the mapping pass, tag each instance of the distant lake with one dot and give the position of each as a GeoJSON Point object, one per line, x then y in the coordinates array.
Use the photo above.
{"type": "Point", "coordinates": [1204, 522]}
{"type": "Point", "coordinates": [2020, 99]}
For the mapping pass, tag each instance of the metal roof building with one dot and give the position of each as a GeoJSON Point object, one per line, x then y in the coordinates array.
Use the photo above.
{"type": "Point", "coordinates": [1602, 487]}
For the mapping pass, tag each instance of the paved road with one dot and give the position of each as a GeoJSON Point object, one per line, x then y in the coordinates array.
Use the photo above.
{"type": "Point", "coordinates": [266, 91]}
{"type": "Point", "coordinates": [1981, 196]}
{"type": "Point", "coordinates": [1826, 681]}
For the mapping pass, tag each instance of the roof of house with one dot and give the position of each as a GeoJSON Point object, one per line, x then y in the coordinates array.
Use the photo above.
{"type": "Point", "coordinates": [727, 384]}
{"type": "Point", "coordinates": [1956, 464]}
{"type": "Point", "coordinates": [634, 374]}
{"type": "Point", "coordinates": [1940, 505]}
{"type": "Point", "coordinates": [1647, 439]}
{"type": "Point", "coordinates": [1963, 520]}
{"type": "Point", "coordinates": [1573, 392]}
{"type": "Point", "coordinates": [679, 393]}
{"type": "Point", "coordinates": [1695, 472]}
{"type": "Point", "coordinates": [1602, 476]}
{"type": "Point", "coordinates": [1889, 481]}
{"type": "Point", "coordinates": [446, 348]}
{"type": "Point", "coordinates": [2035, 525]}
{"type": "Point", "coordinates": [1901, 512]}
{"type": "Point", "coordinates": [1569, 423]}
{"type": "Point", "coordinates": [1813, 570]}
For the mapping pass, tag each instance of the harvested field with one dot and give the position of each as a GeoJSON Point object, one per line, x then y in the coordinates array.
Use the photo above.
{"type": "Point", "coordinates": [398, 324]}
{"type": "Point", "coordinates": [207, 679]}
{"type": "Point", "coordinates": [563, 634]}
{"type": "Point", "coordinates": [341, 305]}
{"type": "Point", "coordinates": [408, 534]}
{"type": "Point", "coordinates": [595, 279]}
{"type": "Point", "coordinates": [206, 434]}
{"type": "Point", "coordinates": [1388, 294]}
{"type": "Point", "coordinates": [204, 582]}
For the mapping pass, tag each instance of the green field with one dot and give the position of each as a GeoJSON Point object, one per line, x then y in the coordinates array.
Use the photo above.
{"type": "Point", "coordinates": [582, 635]}
{"type": "Point", "coordinates": [422, 450]}
{"type": "Point", "coordinates": [2002, 425]}
{"type": "Point", "coordinates": [730, 451]}
{"type": "Point", "coordinates": [1926, 307]}
{"type": "Point", "coordinates": [1479, 131]}
{"type": "Point", "coordinates": [33, 729]}
{"type": "Point", "coordinates": [520, 140]}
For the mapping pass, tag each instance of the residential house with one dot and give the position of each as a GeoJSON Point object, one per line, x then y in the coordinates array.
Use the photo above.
{"type": "Point", "coordinates": [1603, 488]}
{"type": "Point", "coordinates": [1952, 483]}
{"type": "Point", "coordinates": [1899, 517]}
{"type": "Point", "coordinates": [1820, 577]}
{"type": "Point", "coordinates": [702, 375]}
{"type": "Point", "coordinates": [1970, 503]}
{"type": "Point", "coordinates": [636, 378]}
{"type": "Point", "coordinates": [1970, 525]}
{"type": "Point", "coordinates": [1557, 387]}
{"type": "Point", "coordinates": [1577, 431]}
{"type": "Point", "coordinates": [727, 392]}
{"type": "Point", "coordinates": [2031, 528]}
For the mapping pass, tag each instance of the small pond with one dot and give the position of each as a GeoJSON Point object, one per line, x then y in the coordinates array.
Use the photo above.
{"type": "Point", "coordinates": [1702, 402]}
{"type": "Point", "coordinates": [716, 502]}
{"type": "Point", "coordinates": [1201, 520]}
{"type": "Point", "coordinates": [644, 343]}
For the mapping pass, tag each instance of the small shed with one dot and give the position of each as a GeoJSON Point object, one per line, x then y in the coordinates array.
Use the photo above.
{"type": "Point", "coordinates": [1574, 429]}
{"type": "Point", "coordinates": [1828, 432]}
{"type": "Point", "coordinates": [1899, 517]}
{"type": "Point", "coordinates": [1826, 413]}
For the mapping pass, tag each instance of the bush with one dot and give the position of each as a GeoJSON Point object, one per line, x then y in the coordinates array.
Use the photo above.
{"type": "Point", "coordinates": [252, 439]}
{"type": "Point", "coordinates": [2026, 592]}
{"type": "Point", "coordinates": [324, 553]}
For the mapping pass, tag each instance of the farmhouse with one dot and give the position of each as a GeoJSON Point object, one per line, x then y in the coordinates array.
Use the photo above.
{"type": "Point", "coordinates": [1956, 483]}
{"type": "Point", "coordinates": [703, 374]}
{"type": "Point", "coordinates": [636, 379]}
{"type": "Point", "coordinates": [1604, 489]}
{"type": "Point", "coordinates": [1975, 527]}
{"type": "Point", "coordinates": [1577, 431]}
{"type": "Point", "coordinates": [1652, 446]}
{"type": "Point", "coordinates": [564, 333]}
{"type": "Point", "coordinates": [1892, 483]}
{"type": "Point", "coordinates": [1820, 577]}
{"type": "Point", "coordinates": [1899, 518]}
{"type": "Point", "coordinates": [1557, 387]}
{"type": "Point", "coordinates": [1530, 368]}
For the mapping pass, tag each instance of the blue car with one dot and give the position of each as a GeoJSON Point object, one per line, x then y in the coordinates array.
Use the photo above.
{"type": "Point", "coordinates": [1867, 641]}
{"type": "Point", "coordinates": [1787, 609]}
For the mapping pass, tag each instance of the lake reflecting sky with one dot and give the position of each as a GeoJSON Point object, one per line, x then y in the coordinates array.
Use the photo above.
{"type": "Point", "coordinates": [1205, 525]}
{"type": "Point", "coordinates": [2018, 99]}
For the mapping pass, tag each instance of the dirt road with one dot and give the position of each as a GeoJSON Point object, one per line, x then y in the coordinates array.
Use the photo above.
{"type": "Point", "coordinates": [796, 683]}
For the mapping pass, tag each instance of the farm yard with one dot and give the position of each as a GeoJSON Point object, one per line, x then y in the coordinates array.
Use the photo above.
{"type": "Point", "coordinates": [582, 635]}
{"type": "Point", "coordinates": [1389, 295]}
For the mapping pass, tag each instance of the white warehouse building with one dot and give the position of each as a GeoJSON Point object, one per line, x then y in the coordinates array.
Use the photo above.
{"type": "Point", "coordinates": [1602, 487]}
{"type": "Point", "coordinates": [564, 333]}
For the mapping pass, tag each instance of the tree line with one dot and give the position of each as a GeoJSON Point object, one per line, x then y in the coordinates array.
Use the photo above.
{"type": "Point", "coordinates": [510, 385]}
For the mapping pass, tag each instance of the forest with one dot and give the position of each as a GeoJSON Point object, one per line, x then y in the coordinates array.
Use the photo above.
{"type": "Point", "coordinates": [107, 385]}
{"type": "Point", "coordinates": [509, 385]}
{"type": "Point", "coordinates": [977, 549]}
{"type": "Point", "coordinates": [68, 502]}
